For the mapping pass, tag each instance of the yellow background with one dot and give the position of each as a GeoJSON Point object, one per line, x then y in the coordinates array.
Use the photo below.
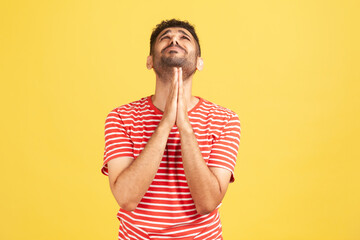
{"type": "Point", "coordinates": [290, 69]}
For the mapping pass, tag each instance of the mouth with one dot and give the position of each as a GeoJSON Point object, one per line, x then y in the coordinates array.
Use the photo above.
{"type": "Point", "coordinates": [173, 49]}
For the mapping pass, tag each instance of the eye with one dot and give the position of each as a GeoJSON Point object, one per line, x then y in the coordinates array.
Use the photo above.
{"type": "Point", "coordinates": [165, 37]}
{"type": "Point", "coordinates": [185, 37]}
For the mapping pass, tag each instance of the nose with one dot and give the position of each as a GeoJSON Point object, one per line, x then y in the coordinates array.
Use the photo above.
{"type": "Point", "coordinates": [174, 40]}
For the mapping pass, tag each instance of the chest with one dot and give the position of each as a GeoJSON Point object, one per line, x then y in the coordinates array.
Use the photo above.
{"type": "Point", "coordinates": [141, 133]}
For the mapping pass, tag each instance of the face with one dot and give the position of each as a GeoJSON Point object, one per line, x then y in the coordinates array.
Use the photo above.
{"type": "Point", "coordinates": [175, 47]}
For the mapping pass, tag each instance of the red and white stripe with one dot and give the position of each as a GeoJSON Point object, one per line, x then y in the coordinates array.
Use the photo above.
{"type": "Point", "coordinates": [167, 210]}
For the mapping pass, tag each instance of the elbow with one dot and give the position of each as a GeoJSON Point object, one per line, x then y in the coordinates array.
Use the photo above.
{"type": "Point", "coordinates": [203, 210]}
{"type": "Point", "coordinates": [128, 206]}
{"type": "Point", "coordinates": [125, 201]}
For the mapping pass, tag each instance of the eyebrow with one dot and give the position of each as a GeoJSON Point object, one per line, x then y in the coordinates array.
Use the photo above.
{"type": "Point", "coordinates": [167, 31]}
{"type": "Point", "coordinates": [184, 33]}
{"type": "Point", "coordinates": [164, 33]}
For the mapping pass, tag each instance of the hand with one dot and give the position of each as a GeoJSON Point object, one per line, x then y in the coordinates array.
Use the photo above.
{"type": "Point", "coordinates": [182, 119]}
{"type": "Point", "coordinates": [169, 116]}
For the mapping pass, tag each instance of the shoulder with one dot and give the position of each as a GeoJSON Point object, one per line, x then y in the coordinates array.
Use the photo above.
{"type": "Point", "coordinates": [135, 106]}
{"type": "Point", "coordinates": [218, 112]}
{"type": "Point", "coordinates": [132, 108]}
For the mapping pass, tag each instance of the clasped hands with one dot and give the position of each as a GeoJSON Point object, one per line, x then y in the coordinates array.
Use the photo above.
{"type": "Point", "coordinates": [176, 109]}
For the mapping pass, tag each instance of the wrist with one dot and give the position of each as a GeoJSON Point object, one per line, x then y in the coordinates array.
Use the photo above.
{"type": "Point", "coordinates": [185, 128]}
{"type": "Point", "coordinates": [165, 125]}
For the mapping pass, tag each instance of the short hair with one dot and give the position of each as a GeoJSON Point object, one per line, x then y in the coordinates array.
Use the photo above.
{"type": "Point", "coordinates": [173, 23]}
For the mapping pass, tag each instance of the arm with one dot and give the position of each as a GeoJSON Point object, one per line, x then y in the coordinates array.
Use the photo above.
{"type": "Point", "coordinates": [129, 179]}
{"type": "Point", "coordinates": [207, 185]}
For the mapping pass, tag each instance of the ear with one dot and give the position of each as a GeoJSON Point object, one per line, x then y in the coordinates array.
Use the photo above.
{"type": "Point", "coordinates": [199, 64]}
{"type": "Point", "coordinates": [149, 62]}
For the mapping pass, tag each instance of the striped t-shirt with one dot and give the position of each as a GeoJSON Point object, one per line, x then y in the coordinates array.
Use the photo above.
{"type": "Point", "coordinates": [167, 210]}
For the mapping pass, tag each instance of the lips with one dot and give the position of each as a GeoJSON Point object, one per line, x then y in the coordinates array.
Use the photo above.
{"type": "Point", "coordinates": [173, 48]}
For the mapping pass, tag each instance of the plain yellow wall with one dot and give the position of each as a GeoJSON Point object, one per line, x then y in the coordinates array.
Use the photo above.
{"type": "Point", "coordinates": [290, 69]}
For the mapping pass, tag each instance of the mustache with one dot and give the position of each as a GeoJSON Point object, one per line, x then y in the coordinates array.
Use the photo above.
{"type": "Point", "coordinates": [172, 45]}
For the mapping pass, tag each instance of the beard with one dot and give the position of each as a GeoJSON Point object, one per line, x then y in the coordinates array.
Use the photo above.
{"type": "Point", "coordinates": [164, 66]}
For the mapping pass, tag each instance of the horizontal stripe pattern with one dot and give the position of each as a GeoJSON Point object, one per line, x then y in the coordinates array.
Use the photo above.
{"type": "Point", "coordinates": [167, 210]}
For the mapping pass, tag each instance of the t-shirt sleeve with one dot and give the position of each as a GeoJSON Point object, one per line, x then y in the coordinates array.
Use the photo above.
{"type": "Point", "coordinates": [225, 148]}
{"type": "Point", "coordinates": [117, 140]}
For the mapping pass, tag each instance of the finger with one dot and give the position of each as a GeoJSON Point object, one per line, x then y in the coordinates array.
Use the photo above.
{"type": "Point", "coordinates": [175, 86]}
{"type": "Point", "coordinates": [174, 83]}
{"type": "Point", "coordinates": [175, 74]}
{"type": "Point", "coordinates": [181, 90]}
{"type": "Point", "coordinates": [180, 74]}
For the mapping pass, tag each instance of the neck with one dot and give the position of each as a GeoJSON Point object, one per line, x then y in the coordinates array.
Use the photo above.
{"type": "Point", "coordinates": [162, 91]}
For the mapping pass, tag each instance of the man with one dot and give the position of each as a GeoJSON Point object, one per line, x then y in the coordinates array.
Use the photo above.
{"type": "Point", "coordinates": [170, 156]}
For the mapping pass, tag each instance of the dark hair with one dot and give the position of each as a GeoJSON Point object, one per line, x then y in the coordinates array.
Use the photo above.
{"type": "Point", "coordinates": [173, 23]}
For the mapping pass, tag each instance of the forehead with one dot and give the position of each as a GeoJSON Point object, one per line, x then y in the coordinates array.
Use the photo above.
{"type": "Point", "coordinates": [175, 30]}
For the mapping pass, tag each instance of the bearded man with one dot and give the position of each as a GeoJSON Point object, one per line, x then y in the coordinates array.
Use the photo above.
{"type": "Point", "coordinates": [170, 156]}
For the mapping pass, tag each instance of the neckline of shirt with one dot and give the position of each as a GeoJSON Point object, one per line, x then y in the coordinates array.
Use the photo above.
{"type": "Point", "coordinates": [152, 106]}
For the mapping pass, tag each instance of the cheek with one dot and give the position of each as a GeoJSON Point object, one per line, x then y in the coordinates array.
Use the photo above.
{"type": "Point", "coordinates": [159, 46]}
{"type": "Point", "coordinates": [191, 48]}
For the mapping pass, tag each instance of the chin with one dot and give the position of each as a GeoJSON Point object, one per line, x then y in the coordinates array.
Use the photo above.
{"type": "Point", "coordinates": [173, 62]}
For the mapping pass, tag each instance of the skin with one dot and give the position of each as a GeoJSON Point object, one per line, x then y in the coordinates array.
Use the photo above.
{"type": "Point", "coordinates": [174, 59]}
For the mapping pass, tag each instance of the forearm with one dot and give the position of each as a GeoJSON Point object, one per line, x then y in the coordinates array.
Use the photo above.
{"type": "Point", "coordinates": [203, 184]}
{"type": "Point", "coordinates": [133, 182]}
